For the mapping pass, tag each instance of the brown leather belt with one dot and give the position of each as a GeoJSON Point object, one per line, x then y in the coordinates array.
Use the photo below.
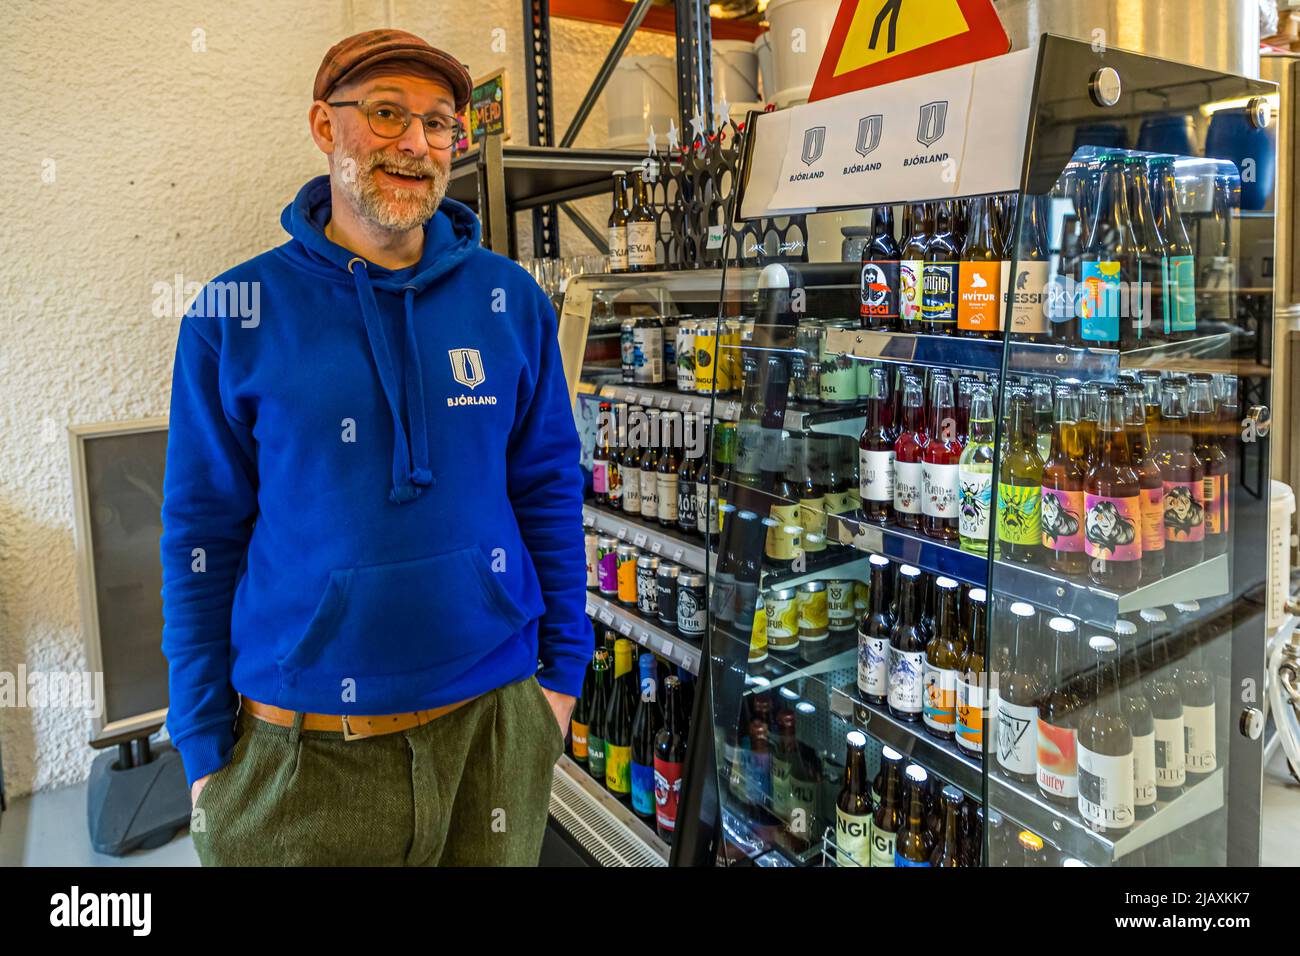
{"type": "Point", "coordinates": [351, 726]}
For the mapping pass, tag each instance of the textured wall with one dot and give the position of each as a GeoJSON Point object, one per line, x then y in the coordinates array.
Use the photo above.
{"type": "Point", "coordinates": [139, 141]}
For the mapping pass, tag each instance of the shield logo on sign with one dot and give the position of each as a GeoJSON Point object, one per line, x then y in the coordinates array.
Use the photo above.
{"type": "Point", "coordinates": [813, 141]}
{"type": "Point", "coordinates": [466, 366]}
{"type": "Point", "coordinates": [934, 117]}
{"type": "Point", "coordinates": [869, 128]}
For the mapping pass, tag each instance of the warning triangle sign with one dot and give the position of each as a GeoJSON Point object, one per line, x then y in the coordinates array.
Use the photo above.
{"type": "Point", "coordinates": [881, 41]}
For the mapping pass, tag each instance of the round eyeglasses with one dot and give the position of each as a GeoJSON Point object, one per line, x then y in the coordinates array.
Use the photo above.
{"type": "Point", "coordinates": [390, 121]}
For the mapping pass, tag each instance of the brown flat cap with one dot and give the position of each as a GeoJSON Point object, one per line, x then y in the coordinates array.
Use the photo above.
{"type": "Point", "coordinates": [375, 46]}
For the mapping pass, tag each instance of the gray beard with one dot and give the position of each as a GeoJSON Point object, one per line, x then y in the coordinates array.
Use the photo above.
{"type": "Point", "coordinates": [373, 205]}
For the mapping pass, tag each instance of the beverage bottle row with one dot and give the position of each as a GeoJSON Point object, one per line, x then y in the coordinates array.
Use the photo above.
{"type": "Point", "coordinates": [695, 355]}
{"type": "Point", "coordinates": [632, 225]}
{"type": "Point", "coordinates": [671, 595]}
{"type": "Point", "coordinates": [629, 740]}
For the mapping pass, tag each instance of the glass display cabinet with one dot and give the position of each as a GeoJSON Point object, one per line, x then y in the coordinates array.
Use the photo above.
{"type": "Point", "coordinates": [989, 472]}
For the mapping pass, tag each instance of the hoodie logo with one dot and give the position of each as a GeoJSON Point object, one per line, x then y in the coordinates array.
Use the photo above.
{"type": "Point", "coordinates": [467, 367]}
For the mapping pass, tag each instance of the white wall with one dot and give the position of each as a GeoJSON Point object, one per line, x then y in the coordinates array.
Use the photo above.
{"type": "Point", "coordinates": [140, 140]}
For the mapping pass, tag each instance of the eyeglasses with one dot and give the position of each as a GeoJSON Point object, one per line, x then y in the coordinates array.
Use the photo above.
{"type": "Point", "coordinates": [390, 121]}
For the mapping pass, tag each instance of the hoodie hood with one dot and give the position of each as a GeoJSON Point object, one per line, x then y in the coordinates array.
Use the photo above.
{"type": "Point", "coordinates": [449, 238]}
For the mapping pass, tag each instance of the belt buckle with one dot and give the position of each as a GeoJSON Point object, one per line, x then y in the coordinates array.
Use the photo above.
{"type": "Point", "coordinates": [348, 733]}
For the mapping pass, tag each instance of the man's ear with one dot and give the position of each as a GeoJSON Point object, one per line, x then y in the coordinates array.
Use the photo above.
{"type": "Point", "coordinates": [321, 123]}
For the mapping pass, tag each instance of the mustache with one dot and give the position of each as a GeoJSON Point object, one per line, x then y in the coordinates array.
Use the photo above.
{"type": "Point", "coordinates": [402, 164]}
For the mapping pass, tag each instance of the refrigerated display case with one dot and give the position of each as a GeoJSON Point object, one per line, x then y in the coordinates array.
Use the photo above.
{"type": "Point", "coordinates": [1045, 433]}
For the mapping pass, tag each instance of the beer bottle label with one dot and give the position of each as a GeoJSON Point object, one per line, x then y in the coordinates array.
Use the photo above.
{"type": "Point", "coordinates": [607, 573]}
{"type": "Point", "coordinates": [1171, 752]}
{"type": "Point", "coordinates": [618, 769]}
{"type": "Point", "coordinates": [980, 296]}
{"type": "Point", "coordinates": [907, 487]}
{"type": "Point", "coordinates": [617, 248]}
{"type": "Point", "coordinates": [1020, 513]}
{"type": "Point", "coordinates": [1153, 519]}
{"type": "Point", "coordinates": [1062, 519]}
{"type": "Point", "coordinates": [627, 581]}
{"type": "Point", "coordinates": [781, 787]}
{"type": "Point", "coordinates": [876, 475]}
{"type": "Point", "coordinates": [668, 790]}
{"type": "Point", "coordinates": [599, 478]}
{"type": "Point", "coordinates": [666, 496]}
{"type": "Point", "coordinates": [649, 495]}
{"type": "Point", "coordinates": [1029, 298]}
{"type": "Point", "coordinates": [899, 860]}
{"type": "Point", "coordinates": [882, 846]}
{"type": "Point", "coordinates": [853, 838]}
{"type": "Point", "coordinates": [839, 604]}
{"type": "Point", "coordinates": [910, 281]}
{"type": "Point", "coordinates": [970, 712]}
{"type": "Point", "coordinates": [838, 382]}
{"type": "Point", "coordinates": [976, 503]}
{"type": "Point", "coordinates": [873, 665]}
{"type": "Point", "coordinates": [595, 755]}
{"type": "Point", "coordinates": [1212, 496]}
{"type": "Point", "coordinates": [614, 484]}
{"type": "Point", "coordinates": [632, 490]}
{"type": "Point", "coordinates": [648, 356]}
{"type": "Point", "coordinates": [814, 614]}
{"type": "Point", "coordinates": [1106, 790]}
{"type": "Point", "coordinates": [1058, 772]}
{"type": "Point", "coordinates": [686, 516]}
{"type": "Point", "coordinates": [1179, 280]}
{"type": "Point", "coordinates": [1198, 737]}
{"type": "Point", "coordinates": [685, 359]}
{"type": "Point", "coordinates": [782, 622]}
{"type": "Point", "coordinates": [1017, 739]}
{"type": "Point", "coordinates": [812, 516]}
{"type": "Point", "coordinates": [906, 680]}
{"type": "Point", "coordinates": [941, 490]}
{"type": "Point", "coordinates": [643, 789]}
{"type": "Point", "coordinates": [878, 294]}
{"type": "Point", "coordinates": [1099, 306]}
{"type": "Point", "coordinates": [579, 734]}
{"type": "Point", "coordinates": [837, 502]}
{"type": "Point", "coordinates": [940, 711]}
{"type": "Point", "coordinates": [641, 244]}
{"type": "Point", "coordinates": [1112, 527]}
{"type": "Point", "coordinates": [1144, 770]}
{"type": "Point", "coordinates": [706, 360]}
{"type": "Point", "coordinates": [1184, 511]}
{"type": "Point", "coordinates": [939, 297]}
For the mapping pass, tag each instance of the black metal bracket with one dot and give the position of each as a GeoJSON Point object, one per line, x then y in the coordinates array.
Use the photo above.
{"type": "Point", "coordinates": [541, 115]}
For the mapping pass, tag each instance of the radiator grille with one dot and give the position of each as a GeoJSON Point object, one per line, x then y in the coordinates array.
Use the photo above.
{"type": "Point", "coordinates": [610, 840]}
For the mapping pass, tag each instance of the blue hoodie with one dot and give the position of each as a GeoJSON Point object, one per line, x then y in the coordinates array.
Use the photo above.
{"type": "Point", "coordinates": [372, 501]}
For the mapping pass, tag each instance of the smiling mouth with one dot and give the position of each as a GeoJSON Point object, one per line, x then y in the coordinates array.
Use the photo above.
{"type": "Point", "coordinates": [408, 178]}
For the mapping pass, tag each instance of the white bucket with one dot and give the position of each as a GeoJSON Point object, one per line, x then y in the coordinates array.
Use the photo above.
{"type": "Point", "coordinates": [766, 71]}
{"type": "Point", "coordinates": [735, 71]}
{"type": "Point", "coordinates": [1281, 506]}
{"type": "Point", "coordinates": [796, 56]}
{"type": "Point", "coordinates": [641, 93]}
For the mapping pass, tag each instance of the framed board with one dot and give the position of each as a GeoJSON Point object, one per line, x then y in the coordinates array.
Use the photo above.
{"type": "Point", "coordinates": [487, 113]}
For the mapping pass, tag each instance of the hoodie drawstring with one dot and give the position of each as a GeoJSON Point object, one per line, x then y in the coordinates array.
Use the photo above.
{"type": "Point", "coordinates": [411, 472]}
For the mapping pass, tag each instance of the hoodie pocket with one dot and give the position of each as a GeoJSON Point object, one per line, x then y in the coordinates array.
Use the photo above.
{"type": "Point", "coordinates": [427, 616]}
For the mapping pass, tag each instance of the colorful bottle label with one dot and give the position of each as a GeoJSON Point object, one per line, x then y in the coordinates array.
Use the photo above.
{"type": "Point", "coordinates": [1106, 790]}
{"type": "Point", "coordinates": [1184, 511]}
{"type": "Point", "coordinates": [940, 711]}
{"type": "Point", "coordinates": [837, 502]}
{"type": "Point", "coordinates": [882, 846]}
{"type": "Point", "coordinates": [906, 675]}
{"type": "Point", "coordinates": [1198, 739]}
{"type": "Point", "coordinates": [1215, 500]}
{"type": "Point", "coordinates": [607, 573]}
{"type": "Point", "coordinates": [1016, 737]}
{"type": "Point", "coordinates": [600, 477]}
{"type": "Point", "coordinates": [627, 581]}
{"type": "Point", "coordinates": [1112, 527]}
{"type": "Point", "coordinates": [1179, 280]}
{"type": "Point", "coordinates": [632, 490]}
{"type": "Point", "coordinates": [940, 490]}
{"type": "Point", "coordinates": [970, 712]}
{"type": "Point", "coordinates": [853, 837]}
{"type": "Point", "coordinates": [878, 293]}
{"type": "Point", "coordinates": [1171, 752]}
{"type": "Point", "coordinates": [1144, 770]}
{"type": "Point", "coordinates": [939, 296]}
{"type": "Point", "coordinates": [1062, 520]}
{"type": "Point", "coordinates": [907, 487]}
{"type": "Point", "coordinates": [668, 790]}
{"type": "Point", "coordinates": [1020, 513]}
{"type": "Point", "coordinates": [1099, 306]}
{"type": "Point", "coordinates": [617, 248]}
{"type": "Point", "coordinates": [641, 244]}
{"type": "Point", "coordinates": [873, 665]}
{"type": "Point", "coordinates": [910, 282]}
{"type": "Point", "coordinates": [1058, 766]}
{"type": "Point", "coordinates": [876, 475]}
{"type": "Point", "coordinates": [785, 535]}
{"type": "Point", "coordinates": [596, 755]}
{"type": "Point", "coordinates": [900, 861]}
{"type": "Point", "coordinates": [643, 789]}
{"type": "Point", "coordinates": [1153, 519]}
{"type": "Point", "coordinates": [976, 489]}
{"type": "Point", "coordinates": [1029, 298]}
{"type": "Point", "coordinates": [618, 769]}
{"type": "Point", "coordinates": [980, 297]}
{"type": "Point", "coordinates": [578, 733]}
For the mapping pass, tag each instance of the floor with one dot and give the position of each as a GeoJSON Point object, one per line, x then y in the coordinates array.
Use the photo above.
{"type": "Point", "coordinates": [35, 831]}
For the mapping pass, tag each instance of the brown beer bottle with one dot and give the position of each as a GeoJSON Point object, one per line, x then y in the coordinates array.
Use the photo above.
{"type": "Point", "coordinates": [876, 454]}
{"type": "Point", "coordinates": [1106, 774]}
{"type": "Point", "coordinates": [1183, 473]}
{"type": "Point", "coordinates": [912, 847]}
{"type": "Point", "coordinates": [1113, 502]}
{"type": "Point", "coordinates": [853, 806]}
{"type": "Point", "coordinates": [1063, 491]}
{"type": "Point", "coordinates": [943, 658]}
{"type": "Point", "coordinates": [1205, 429]}
{"type": "Point", "coordinates": [1019, 690]}
{"type": "Point", "coordinates": [1058, 719]}
{"type": "Point", "coordinates": [1150, 481]}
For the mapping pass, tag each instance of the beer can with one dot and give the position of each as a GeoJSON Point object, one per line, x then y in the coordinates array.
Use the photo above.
{"type": "Point", "coordinates": [648, 351]}
{"type": "Point", "coordinates": [666, 595]}
{"type": "Point", "coordinates": [686, 354]}
{"type": "Point", "coordinates": [782, 608]}
{"type": "Point", "coordinates": [814, 620]}
{"type": "Point", "coordinates": [670, 349]}
{"type": "Point", "coordinates": [840, 612]}
{"type": "Point", "coordinates": [627, 350]}
{"type": "Point", "coordinates": [706, 355]}
{"type": "Point", "coordinates": [729, 375]}
{"type": "Point", "coordinates": [627, 556]}
{"type": "Point", "coordinates": [838, 383]}
{"type": "Point", "coordinates": [607, 566]}
{"type": "Point", "coordinates": [691, 605]}
{"type": "Point", "coordinates": [589, 539]}
{"type": "Point", "coordinates": [758, 634]}
{"type": "Point", "coordinates": [647, 597]}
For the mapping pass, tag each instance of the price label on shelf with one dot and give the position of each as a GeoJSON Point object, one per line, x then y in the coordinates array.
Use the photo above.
{"type": "Point", "coordinates": [656, 547]}
{"type": "Point", "coordinates": [591, 609]}
{"type": "Point", "coordinates": [687, 404]}
{"type": "Point", "coordinates": [639, 539]}
{"type": "Point", "coordinates": [645, 637]}
{"type": "Point", "coordinates": [605, 616]}
{"type": "Point", "coordinates": [665, 401]}
{"type": "Point", "coordinates": [666, 646]}
{"type": "Point", "coordinates": [625, 628]}
{"type": "Point", "coordinates": [621, 533]}
{"type": "Point", "coordinates": [633, 398]}
{"type": "Point", "coordinates": [677, 553]}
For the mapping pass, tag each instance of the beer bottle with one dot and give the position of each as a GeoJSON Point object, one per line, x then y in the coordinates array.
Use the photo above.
{"type": "Point", "coordinates": [805, 778]}
{"type": "Point", "coordinates": [812, 495]}
{"type": "Point", "coordinates": [1089, 421]}
{"type": "Point", "coordinates": [784, 542]}
{"type": "Point", "coordinates": [1029, 297]}
{"type": "Point", "coordinates": [618, 224]}
{"type": "Point", "coordinates": [600, 454]}
{"type": "Point", "coordinates": [975, 474]}
{"type": "Point", "coordinates": [1043, 409]}
{"type": "Point", "coordinates": [666, 472]}
{"type": "Point", "coordinates": [650, 465]}
{"type": "Point", "coordinates": [943, 659]}
{"type": "Point", "coordinates": [1150, 482]}
{"type": "Point", "coordinates": [1113, 502]}
{"type": "Point", "coordinates": [1141, 721]}
{"type": "Point", "coordinates": [853, 807]}
{"type": "Point", "coordinates": [979, 300]}
{"type": "Point", "coordinates": [940, 464]}
{"type": "Point", "coordinates": [580, 722]}
{"type": "Point", "coordinates": [1166, 707]}
{"type": "Point", "coordinates": [687, 516]}
{"type": "Point", "coordinates": [911, 272]}
{"type": "Point", "coordinates": [1146, 320]}
{"type": "Point", "coordinates": [1063, 479]}
{"type": "Point", "coordinates": [618, 723]}
{"type": "Point", "coordinates": [879, 290]}
{"type": "Point", "coordinates": [1230, 430]}
{"type": "Point", "coordinates": [641, 251]}
{"type": "Point", "coordinates": [1020, 487]}
{"type": "Point", "coordinates": [1018, 692]}
{"type": "Point", "coordinates": [837, 476]}
{"type": "Point", "coordinates": [784, 756]}
{"type": "Point", "coordinates": [630, 466]}
{"type": "Point", "coordinates": [1197, 689]}
{"type": "Point", "coordinates": [907, 649]}
{"type": "Point", "coordinates": [1058, 718]}
{"type": "Point", "coordinates": [876, 455]}
{"type": "Point", "coordinates": [948, 851]}
{"type": "Point", "coordinates": [874, 633]}
{"type": "Point", "coordinates": [706, 494]}
{"type": "Point", "coordinates": [1178, 273]}
{"type": "Point", "coordinates": [911, 848]}
{"type": "Point", "coordinates": [1107, 266]}
{"type": "Point", "coordinates": [908, 449]}
{"type": "Point", "coordinates": [670, 759]}
{"type": "Point", "coordinates": [614, 470]}
{"type": "Point", "coordinates": [1214, 494]}
{"type": "Point", "coordinates": [598, 706]}
{"type": "Point", "coordinates": [1106, 778]}
{"type": "Point", "coordinates": [1183, 473]}
{"type": "Point", "coordinates": [939, 277]}
{"type": "Point", "coordinates": [888, 819]}
{"type": "Point", "coordinates": [645, 727]}
{"type": "Point", "coordinates": [972, 704]}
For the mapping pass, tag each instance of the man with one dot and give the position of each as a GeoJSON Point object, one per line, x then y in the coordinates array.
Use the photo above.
{"type": "Point", "coordinates": [372, 511]}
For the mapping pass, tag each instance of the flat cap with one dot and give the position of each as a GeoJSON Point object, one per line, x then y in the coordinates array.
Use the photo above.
{"type": "Point", "coordinates": [374, 46]}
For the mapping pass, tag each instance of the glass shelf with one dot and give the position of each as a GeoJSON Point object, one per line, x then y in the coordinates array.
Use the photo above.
{"type": "Point", "coordinates": [909, 547]}
{"type": "Point", "coordinates": [648, 634]}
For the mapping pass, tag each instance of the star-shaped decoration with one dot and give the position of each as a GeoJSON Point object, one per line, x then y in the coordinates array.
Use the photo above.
{"type": "Point", "coordinates": [697, 125]}
{"type": "Point", "coordinates": [722, 111]}
{"type": "Point", "coordinates": [673, 136]}
{"type": "Point", "coordinates": [650, 140]}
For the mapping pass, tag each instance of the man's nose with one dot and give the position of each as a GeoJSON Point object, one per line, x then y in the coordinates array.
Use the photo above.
{"type": "Point", "coordinates": [412, 141]}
